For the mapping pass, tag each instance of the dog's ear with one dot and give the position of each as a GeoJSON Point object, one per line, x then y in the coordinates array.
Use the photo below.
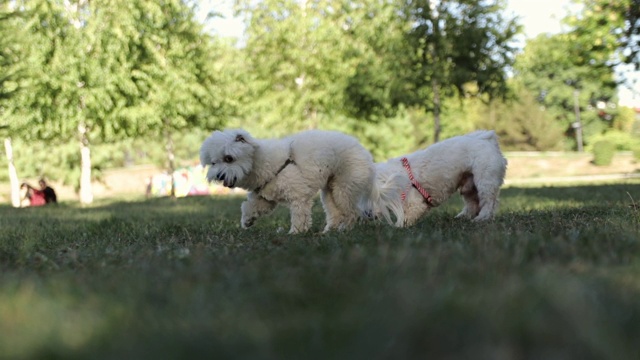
{"type": "Point", "coordinates": [241, 138]}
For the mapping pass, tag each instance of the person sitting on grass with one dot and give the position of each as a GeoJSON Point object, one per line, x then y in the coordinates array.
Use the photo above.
{"type": "Point", "coordinates": [38, 197]}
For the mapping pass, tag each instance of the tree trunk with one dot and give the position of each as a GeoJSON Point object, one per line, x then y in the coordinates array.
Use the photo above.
{"type": "Point", "coordinates": [436, 109]}
{"type": "Point", "coordinates": [435, 85]}
{"type": "Point", "coordinates": [170, 156]}
{"type": "Point", "coordinates": [13, 174]}
{"type": "Point", "coordinates": [578, 123]}
{"type": "Point", "coordinates": [86, 192]}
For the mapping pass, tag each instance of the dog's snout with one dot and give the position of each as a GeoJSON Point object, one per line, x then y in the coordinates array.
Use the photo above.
{"type": "Point", "coordinates": [369, 215]}
{"type": "Point", "coordinates": [220, 176]}
{"type": "Point", "coordinates": [248, 222]}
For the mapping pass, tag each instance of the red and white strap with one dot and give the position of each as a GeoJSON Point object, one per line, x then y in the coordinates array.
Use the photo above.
{"type": "Point", "coordinates": [412, 179]}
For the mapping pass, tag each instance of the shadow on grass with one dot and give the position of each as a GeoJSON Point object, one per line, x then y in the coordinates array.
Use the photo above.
{"type": "Point", "coordinates": [585, 194]}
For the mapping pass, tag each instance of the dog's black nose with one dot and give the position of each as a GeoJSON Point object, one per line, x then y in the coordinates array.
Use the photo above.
{"type": "Point", "coordinates": [220, 176]}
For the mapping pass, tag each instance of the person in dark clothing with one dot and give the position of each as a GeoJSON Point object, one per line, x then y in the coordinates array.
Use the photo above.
{"type": "Point", "coordinates": [49, 193]}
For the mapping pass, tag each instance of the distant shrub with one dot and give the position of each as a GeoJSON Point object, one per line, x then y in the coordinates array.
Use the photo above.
{"type": "Point", "coordinates": [603, 152]}
{"type": "Point", "coordinates": [624, 141]}
{"type": "Point", "coordinates": [636, 152]}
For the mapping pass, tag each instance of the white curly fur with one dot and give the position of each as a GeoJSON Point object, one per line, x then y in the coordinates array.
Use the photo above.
{"type": "Point", "coordinates": [329, 161]}
{"type": "Point", "coordinates": [472, 164]}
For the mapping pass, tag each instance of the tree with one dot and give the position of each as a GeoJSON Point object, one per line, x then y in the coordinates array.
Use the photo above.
{"type": "Point", "coordinates": [374, 91]}
{"type": "Point", "coordinates": [521, 123]}
{"type": "Point", "coordinates": [11, 36]}
{"type": "Point", "coordinates": [603, 28]}
{"type": "Point", "coordinates": [106, 70]}
{"type": "Point", "coordinates": [13, 43]}
{"type": "Point", "coordinates": [301, 59]}
{"type": "Point", "coordinates": [553, 69]}
{"type": "Point", "coordinates": [606, 36]}
{"type": "Point", "coordinates": [13, 174]}
{"type": "Point", "coordinates": [72, 86]}
{"type": "Point", "coordinates": [178, 76]}
{"type": "Point", "coordinates": [454, 43]}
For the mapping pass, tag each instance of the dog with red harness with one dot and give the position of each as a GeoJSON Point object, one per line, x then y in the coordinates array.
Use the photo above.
{"type": "Point", "coordinates": [411, 185]}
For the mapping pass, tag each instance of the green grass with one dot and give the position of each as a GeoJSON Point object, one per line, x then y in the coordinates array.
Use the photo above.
{"type": "Point", "coordinates": [556, 275]}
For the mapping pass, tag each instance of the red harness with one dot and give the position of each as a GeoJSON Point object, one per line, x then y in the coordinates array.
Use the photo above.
{"type": "Point", "coordinates": [414, 183]}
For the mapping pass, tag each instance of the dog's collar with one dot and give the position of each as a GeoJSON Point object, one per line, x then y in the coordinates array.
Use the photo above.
{"type": "Point", "coordinates": [425, 194]}
{"type": "Point", "coordinates": [286, 163]}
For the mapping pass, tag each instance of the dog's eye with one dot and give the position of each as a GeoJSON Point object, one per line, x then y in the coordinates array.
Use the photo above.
{"type": "Point", "coordinates": [212, 164]}
{"type": "Point", "coordinates": [228, 159]}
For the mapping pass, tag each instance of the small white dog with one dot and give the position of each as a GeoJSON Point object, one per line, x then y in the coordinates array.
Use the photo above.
{"type": "Point", "coordinates": [291, 171]}
{"type": "Point", "coordinates": [409, 186]}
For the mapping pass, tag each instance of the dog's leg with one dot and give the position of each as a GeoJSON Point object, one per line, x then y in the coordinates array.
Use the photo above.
{"type": "Point", "coordinates": [469, 194]}
{"type": "Point", "coordinates": [330, 209]}
{"type": "Point", "coordinates": [488, 205]}
{"type": "Point", "coordinates": [349, 187]}
{"type": "Point", "coordinates": [488, 200]}
{"type": "Point", "coordinates": [471, 206]}
{"type": "Point", "coordinates": [346, 203]}
{"type": "Point", "coordinates": [488, 179]}
{"type": "Point", "coordinates": [300, 216]}
{"type": "Point", "coordinates": [254, 207]}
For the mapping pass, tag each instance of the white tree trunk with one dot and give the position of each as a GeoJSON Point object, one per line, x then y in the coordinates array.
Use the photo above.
{"type": "Point", "coordinates": [13, 174]}
{"type": "Point", "coordinates": [171, 155]}
{"type": "Point", "coordinates": [86, 193]}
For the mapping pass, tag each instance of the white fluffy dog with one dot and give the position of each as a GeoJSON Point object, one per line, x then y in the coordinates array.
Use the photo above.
{"type": "Point", "coordinates": [413, 184]}
{"type": "Point", "coordinates": [291, 171]}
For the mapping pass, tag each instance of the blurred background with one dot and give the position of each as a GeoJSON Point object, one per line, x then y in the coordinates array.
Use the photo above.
{"type": "Point", "coordinates": [109, 96]}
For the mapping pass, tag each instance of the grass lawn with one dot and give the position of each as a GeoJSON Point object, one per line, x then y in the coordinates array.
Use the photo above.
{"type": "Point", "coordinates": [555, 276]}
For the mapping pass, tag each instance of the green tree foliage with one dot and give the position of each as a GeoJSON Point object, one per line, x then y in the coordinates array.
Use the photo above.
{"type": "Point", "coordinates": [300, 59]}
{"type": "Point", "coordinates": [11, 54]}
{"type": "Point", "coordinates": [176, 71]}
{"type": "Point", "coordinates": [553, 69]}
{"type": "Point", "coordinates": [115, 66]}
{"type": "Point", "coordinates": [14, 44]}
{"type": "Point", "coordinates": [521, 123]}
{"type": "Point", "coordinates": [102, 71]}
{"type": "Point", "coordinates": [606, 38]}
{"type": "Point", "coordinates": [353, 65]}
{"type": "Point", "coordinates": [176, 75]}
{"type": "Point", "coordinates": [603, 152]}
{"type": "Point", "coordinates": [121, 75]}
{"type": "Point", "coordinates": [375, 91]}
{"type": "Point", "coordinates": [454, 43]}
{"type": "Point", "coordinates": [604, 28]}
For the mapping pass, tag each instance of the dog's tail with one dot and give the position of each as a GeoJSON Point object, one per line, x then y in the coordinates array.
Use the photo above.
{"type": "Point", "coordinates": [486, 135]}
{"type": "Point", "coordinates": [492, 137]}
{"type": "Point", "coordinates": [385, 200]}
{"type": "Point", "coordinates": [489, 135]}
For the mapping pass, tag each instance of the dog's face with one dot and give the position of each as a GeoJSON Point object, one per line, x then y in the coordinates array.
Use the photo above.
{"type": "Point", "coordinates": [229, 154]}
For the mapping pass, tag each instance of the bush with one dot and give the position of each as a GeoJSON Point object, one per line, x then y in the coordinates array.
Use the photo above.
{"type": "Point", "coordinates": [603, 152]}
{"type": "Point", "coordinates": [624, 141]}
{"type": "Point", "coordinates": [636, 152]}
